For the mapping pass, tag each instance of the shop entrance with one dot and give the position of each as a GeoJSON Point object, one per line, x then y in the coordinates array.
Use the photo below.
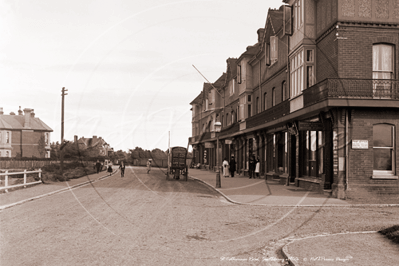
{"type": "Point", "coordinates": [293, 158]}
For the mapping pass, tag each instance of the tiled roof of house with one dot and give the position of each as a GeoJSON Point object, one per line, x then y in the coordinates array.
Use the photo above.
{"type": "Point", "coordinates": [17, 122]}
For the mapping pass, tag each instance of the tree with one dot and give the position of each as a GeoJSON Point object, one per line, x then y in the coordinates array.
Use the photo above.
{"type": "Point", "coordinates": [42, 146]}
{"type": "Point", "coordinates": [54, 150]}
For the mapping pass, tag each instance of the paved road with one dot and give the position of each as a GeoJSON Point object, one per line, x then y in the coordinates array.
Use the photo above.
{"type": "Point", "coordinates": [142, 219]}
{"type": "Point", "coordinates": [136, 220]}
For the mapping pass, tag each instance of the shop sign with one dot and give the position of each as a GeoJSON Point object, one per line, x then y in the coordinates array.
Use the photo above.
{"type": "Point", "coordinates": [209, 145]}
{"type": "Point", "coordinates": [360, 144]}
{"type": "Point", "coordinates": [228, 141]}
{"type": "Point", "coordinates": [310, 126]}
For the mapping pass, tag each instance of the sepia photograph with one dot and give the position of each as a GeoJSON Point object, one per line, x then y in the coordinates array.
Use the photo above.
{"type": "Point", "coordinates": [199, 132]}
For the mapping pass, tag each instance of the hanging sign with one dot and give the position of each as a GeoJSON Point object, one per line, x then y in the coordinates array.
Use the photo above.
{"type": "Point", "coordinates": [310, 126]}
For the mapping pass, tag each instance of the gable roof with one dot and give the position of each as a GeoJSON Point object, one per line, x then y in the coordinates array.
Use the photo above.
{"type": "Point", "coordinates": [16, 122]}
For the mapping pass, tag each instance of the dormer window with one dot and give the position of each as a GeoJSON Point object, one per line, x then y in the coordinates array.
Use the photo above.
{"type": "Point", "coordinates": [273, 49]}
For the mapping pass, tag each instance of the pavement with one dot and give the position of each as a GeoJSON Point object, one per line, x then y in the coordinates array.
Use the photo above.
{"type": "Point", "coordinates": [325, 249]}
{"type": "Point", "coordinates": [242, 190]}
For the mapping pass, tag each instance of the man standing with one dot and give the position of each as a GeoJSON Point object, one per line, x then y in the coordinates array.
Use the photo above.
{"type": "Point", "coordinates": [98, 166]}
{"type": "Point", "coordinates": [148, 166]}
{"type": "Point", "coordinates": [122, 167]}
{"type": "Point", "coordinates": [232, 165]}
{"type": "Point", "coordinates": [251, 166]}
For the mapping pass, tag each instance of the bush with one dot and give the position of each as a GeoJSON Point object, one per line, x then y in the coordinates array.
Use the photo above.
{"type": "Point", "coordinates": [391, 233]}
{"type": "Point", "coordinates": [71, 171]}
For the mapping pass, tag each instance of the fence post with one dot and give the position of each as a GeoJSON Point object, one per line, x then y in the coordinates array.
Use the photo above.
{"type": "Point", "coordinates": [24, 177]}
{"type": "Point", "coordinates": [6, 181]}
{"type": "Point", "coordinates": [40, 174]}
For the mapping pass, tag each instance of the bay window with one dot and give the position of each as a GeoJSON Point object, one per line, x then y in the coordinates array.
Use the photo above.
{"type": "Point", "coordinates": [302, 71]}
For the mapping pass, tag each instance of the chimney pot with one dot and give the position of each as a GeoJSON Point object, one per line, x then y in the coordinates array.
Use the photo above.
{"type": "Point", "coordinates": [1, 111]}
{"type": "Point", "coordinates": [20, 111]}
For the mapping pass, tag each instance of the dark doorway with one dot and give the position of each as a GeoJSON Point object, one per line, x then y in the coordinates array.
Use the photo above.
{"type": "Point", "coordinates": [293, 158]}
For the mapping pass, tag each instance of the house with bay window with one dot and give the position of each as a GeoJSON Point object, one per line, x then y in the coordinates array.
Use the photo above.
{"type": "Point", "coordinates": [318, 98]}
{"type": "Point", "coordinates": [24, 135]}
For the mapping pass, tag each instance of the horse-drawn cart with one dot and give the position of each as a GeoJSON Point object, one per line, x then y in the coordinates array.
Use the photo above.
{"type": "Point", "coordinates": [178, 163]}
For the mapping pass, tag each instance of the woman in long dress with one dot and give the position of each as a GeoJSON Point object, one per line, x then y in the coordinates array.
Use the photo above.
{"type": "Point", "coordinates": [225, 165]}
{"type": "Point", "coordinates": [257, 168]}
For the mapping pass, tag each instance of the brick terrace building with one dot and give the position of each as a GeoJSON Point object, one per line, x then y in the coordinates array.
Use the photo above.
{"type": "Point", "coordinates": [316, 99]}
{"type": "Point", "coordinates": [24, 135]}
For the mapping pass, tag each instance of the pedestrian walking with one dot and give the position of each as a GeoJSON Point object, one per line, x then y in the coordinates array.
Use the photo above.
{"type": "Point", "coordinates": [109, 169]}
{"type": "Point", "coordinates": [232, 165]}
{"type": "Point", "coordinates": [225, 165]}
{"type": "Point", "coordinates": [251, 166]}
{"type": "Point", "coordinates": [122, 167]}
{"type": "Point", "coordinates": [98, 166]}
{"type": "Point", "coordinates": [257, 167]}
{"type": "Point", "coordinates": [149, 166]}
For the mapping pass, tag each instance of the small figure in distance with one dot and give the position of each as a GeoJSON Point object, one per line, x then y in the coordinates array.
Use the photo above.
{"type": "Point", "coordinates": [225, 165]}
{"type": "Point", "coordinates": [98, 166]}
{"type": "Point", "coordinates": [232, 165]}
{"type": "Point", "coordinates": [110, 168]}
{"type": "Point", "coordinates": [122, 167]}
{"type": "Point", "coordinates": [148, 166]}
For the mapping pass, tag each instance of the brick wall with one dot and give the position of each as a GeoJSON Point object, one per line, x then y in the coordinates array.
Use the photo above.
{"type": "Point", "coordinates": [361, 160]}
{"type": "Point", "coordinates": [30, 143]}
{"type": "Point", "coordinates": [356, 52]}
{"type": "Point", "coordinates": [327, 57]}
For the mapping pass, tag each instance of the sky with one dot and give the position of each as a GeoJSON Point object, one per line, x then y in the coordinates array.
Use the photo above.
{"type": "Point", "coordinates": [127, 64]}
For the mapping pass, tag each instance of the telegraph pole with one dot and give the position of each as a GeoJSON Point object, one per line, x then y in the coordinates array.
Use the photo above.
{"type": "Point", "coordinates": [62, 128]}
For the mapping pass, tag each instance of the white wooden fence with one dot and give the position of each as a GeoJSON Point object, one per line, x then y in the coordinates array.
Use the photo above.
{"type": "Point", "coordinates": [25, 173]}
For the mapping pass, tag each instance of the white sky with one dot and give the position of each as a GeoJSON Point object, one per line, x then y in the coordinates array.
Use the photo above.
{"type": "Point", "coordinates": [127, 64]}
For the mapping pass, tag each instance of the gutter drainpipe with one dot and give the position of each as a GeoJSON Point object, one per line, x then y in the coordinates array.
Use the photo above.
{"type": "Point", "coordinates": [346, 149]}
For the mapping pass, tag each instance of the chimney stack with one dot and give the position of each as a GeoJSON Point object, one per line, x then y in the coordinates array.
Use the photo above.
{"type": "Point", "coordinates": [20, 111]}
{"type": "Point", "coordinates": [260, 32]}
{"type": "Point", "coordinates": [27, 112]}
{"type": "Point", "coordinates": [75, 138]}
{"type": "Point", "coordinates": [1, 111]}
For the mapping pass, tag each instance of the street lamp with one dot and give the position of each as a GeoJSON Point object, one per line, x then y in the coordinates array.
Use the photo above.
{"type": "Point", "coordinates": [218, 127]}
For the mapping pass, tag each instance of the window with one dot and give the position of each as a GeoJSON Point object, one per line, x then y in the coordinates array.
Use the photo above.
{"type": "Point", "coordinates": [382, 70]}
{"type": "Point", "coordinates": [227, 119]}
{"type": "Point", "coordinates": [312, 153]}
{"type": "Point", "coordinates": [232, 87]}
{"type": "Point", "coordinates": [239, 74]}
{"type": "Point", "coordinates": [285, 93]}
{"type": "Point", "coordinates": [265, 101]}
{"type": "Point", "coordinates": [267, 54]}
{"type": "Point", "coordinates": [310, 80]}
{"type": "Point", "coordinates": [297, 74]}
{"type": "Point", "coordinates": [383, 149]}
{"type": "Point", "coordinates": [273, 49]}
{"type": "Point", "coordinates": [249, 110]}
{"type": "Point", "coordinates": [8, 137]}
{"type": "Point", "coordinates": [298, 15]}
{"type": "Point", "coordinates": [257, 105]}
{"type": "Point", "coordinates": [302, 71]}
{"type": "Point", "coordinates": [273, 96]}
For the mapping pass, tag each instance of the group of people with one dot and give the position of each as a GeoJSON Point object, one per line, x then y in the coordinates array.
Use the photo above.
{"type": "Point", "coordinates": [122, 167]}
{"type": "Point", "coordinates": [230, 167]}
